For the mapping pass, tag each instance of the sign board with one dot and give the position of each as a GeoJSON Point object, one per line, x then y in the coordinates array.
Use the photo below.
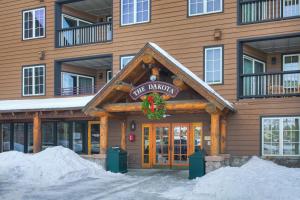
{"type": "Point", "coordinates": [154, 86]}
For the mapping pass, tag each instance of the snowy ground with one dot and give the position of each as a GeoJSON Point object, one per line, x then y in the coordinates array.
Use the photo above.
{"type": "Point", "coordinates": [68, 177]}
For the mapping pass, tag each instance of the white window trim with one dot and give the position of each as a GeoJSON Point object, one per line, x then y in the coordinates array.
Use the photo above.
{"type": "Point", "coordinates": [107, 75]}
{"type": "Point", "coordinates": [33, 81]}
{"type": "Point", "coordinates": [134, 14]}
{"type": "Point", "coordinates": [122, 61]}
{"type": "Point", "coordinates": [253, 65]}
{"type": "Point", "coordinates": [33, 17]}
{"type": "Point", "coordinates": [204, 9]}
{"type": "Point", "coordinates": [221, 71]}
{"type": "Point", "coordinates": [280, 137]}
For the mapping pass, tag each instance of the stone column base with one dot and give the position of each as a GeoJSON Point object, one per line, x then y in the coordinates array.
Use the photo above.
{"type": "Point", "coordinates": [99, 159]}
{"type": "Point", "coordinates": [215, 162]}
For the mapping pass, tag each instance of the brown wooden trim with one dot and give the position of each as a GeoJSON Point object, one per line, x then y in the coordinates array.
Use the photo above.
{"type": "Point", "coordinates": [123, 135]}
{"type": "Point", "coordinates": [215, 134]}
{"type": "Point", "coordinates": [103, 134]}
{"type": "Point", "coordinates": [223, 135]}
{"type": "Point", "coordinates": [171, 105]}
{"type": "Point", "coordinates": [37, 134]}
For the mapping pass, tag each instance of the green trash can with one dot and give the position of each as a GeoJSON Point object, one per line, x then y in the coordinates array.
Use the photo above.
{"type": "Point", "coordinates": [197, 164]}
{"type": "Point", "coordinates": [116, 160]}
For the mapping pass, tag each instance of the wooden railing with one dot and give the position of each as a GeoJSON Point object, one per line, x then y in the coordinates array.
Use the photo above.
{"type": "Point", "coordinates": [101, 32]}
{"type": "Point", "coordinates": [254, 11]}
{"type": "Point", "coordinates": [77, 91]}
{"type": "Point", "coordinates": [270, 84]}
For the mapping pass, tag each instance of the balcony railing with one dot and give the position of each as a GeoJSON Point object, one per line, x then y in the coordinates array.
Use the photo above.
{"type": "Point", "coordinates": [77, 91]}
{"type": "Point", "coordinates": [254, 11]}
{"type": "Point", "coordinates": [96, 33]}
{"type": "Point", "coordinates": [270, 84]}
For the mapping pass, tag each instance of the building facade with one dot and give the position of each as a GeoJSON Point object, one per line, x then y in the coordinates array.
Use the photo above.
{"type": "Point", "coordinates": [58, 59]}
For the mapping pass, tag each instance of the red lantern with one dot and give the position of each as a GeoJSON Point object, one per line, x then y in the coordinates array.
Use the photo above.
{"type": "Point", "coordinates": [131, 137]}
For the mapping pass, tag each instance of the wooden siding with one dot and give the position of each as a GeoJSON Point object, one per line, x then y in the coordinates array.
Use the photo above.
{"type": "Point", "coordinates": [183, 37]}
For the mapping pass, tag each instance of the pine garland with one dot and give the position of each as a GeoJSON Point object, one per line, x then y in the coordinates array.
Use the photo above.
{"type": "Point", "coordinates": [154, 106]}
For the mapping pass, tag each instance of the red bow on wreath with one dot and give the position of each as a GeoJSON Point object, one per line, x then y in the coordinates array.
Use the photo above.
{"type": "Point", "coordinates": [151, 101]}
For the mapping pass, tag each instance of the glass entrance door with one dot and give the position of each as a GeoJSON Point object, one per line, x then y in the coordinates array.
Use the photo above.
{"type": "Point", "coordinates": [180, 144]}
{"type": "Point", "coordinates": [94, 137]}
{"type": "Point", "coordinates": [169, 145]}
{"type": "Point", "coordinates": [162, 144]}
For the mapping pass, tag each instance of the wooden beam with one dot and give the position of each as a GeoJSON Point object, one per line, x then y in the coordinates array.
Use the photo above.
{"type": "Point", "coordinates": [179, 83]}
{"type": "Point", "coordinates": [123, 135]}
{"type": "Point", "coordinates": [124, 87]}
{"type": "Point", "coordinates": [103, 134]}
{"type": "Point", "coordinates": [166, 97]}
{"type": "Point", "coordinates": [223, 135]}
{"type": "Point", "coordinates": [171, 105]}
{"type": "Point", "coordinates": [155, 72]}
{"type": "Point", "coordinates": [37, 135]}
{"type": "Point", "coordinates": [148, 59]}
{"type": "Point", "coordinates": [215, 133]}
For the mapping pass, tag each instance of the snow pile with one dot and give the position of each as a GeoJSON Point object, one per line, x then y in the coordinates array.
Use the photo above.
{"type": "Point", "coordinates": [51, 166]}
{"type": "Point", "coordinates": [258, 179]}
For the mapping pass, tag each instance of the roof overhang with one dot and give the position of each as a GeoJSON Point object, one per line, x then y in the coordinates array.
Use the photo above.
{"type": "Point", "coordinates": [174, 66]}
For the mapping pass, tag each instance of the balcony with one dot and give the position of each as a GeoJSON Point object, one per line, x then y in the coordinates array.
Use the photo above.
{"type": "Point", "coordinates": [83, 22]}
{"type": "Point", "coordinates": [271, 84]}
{"type": "Point", "coordinates": [82, 76]}
{"type": "Point", "coordinates": [270, 68]}
{"type": "Point", "coordinates": [256, 11]}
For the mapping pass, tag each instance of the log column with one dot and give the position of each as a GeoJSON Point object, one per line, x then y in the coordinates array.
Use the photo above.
{"type": "Point", "coordinates": [215, 133]}
{"type": "Point", "coordinates": [103, 134]}
{"type": "Point", "coordinates": [37, 134]}
{"type": "Point", "coordinates": [223, 135]}
{"type": "Point", "coordinates": [123, 135]}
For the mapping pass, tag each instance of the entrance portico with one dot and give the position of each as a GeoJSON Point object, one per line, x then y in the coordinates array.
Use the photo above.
{"type": "Point", "coordinates": [195, 116]}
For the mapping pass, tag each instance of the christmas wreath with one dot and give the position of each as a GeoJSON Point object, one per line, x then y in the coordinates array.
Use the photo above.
{"type": "Point", "coordinates": [153, 106]}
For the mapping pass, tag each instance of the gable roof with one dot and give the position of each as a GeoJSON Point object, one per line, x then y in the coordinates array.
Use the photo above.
{"type": "Point", "coordinates": [172, 65]}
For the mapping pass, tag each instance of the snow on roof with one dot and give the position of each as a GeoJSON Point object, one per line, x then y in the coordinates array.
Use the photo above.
{"type": "Point", "coordinates": [44, 104]}
{"type": "Point", "coordinates": [189, 72]}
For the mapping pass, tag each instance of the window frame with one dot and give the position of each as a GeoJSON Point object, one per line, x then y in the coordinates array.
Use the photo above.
{"type": "Point", "coordinates": [33, 14]}
{"type": "Point", "coordinates": [107, 75]}
{"type": "Point", "coordinates": [33, 80]}
{"type": "Point", "coordinates": [205, 9]}
{"type": "Point", "coordinates": [222, 64]}
{"type": "Point", "coordinates": [281, 141]}
{"type": "Point", "coordinates": [123, 57]}
{"type": "Point", "coordinates": [134, 13]}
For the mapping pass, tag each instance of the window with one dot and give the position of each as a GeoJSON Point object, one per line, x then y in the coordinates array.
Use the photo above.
{"type": "Point", "coordinates": [71, 22]}
{"type": "Point", "coordinates": [77, 84]}
{"type": "Point", "coordinates": [281, 136]}
{"type": "Point", "coordinates": [6, 137]}
{"type": "Point", "coordinates": [250, 83]}
{"type": "Point", "coordinates": [34, 23]}
{"type": "Point", "coordinates": [135, 11]}
{"type": "Point", "coordinates": [125, 60]}
{"type": "Point", "coordinates": [200, 7]}
{"type": "Point", "coordinates": [34, 80]}
{"type": "Point", "coordinates": [291, 82]}
{"type": "Point", "coordinates": [48, 135]}
{"type": "Point", "coordinates": [108, 75]}
{"type": "Point", "coordinates": [213, 65]}
{"type": "Point", "coordinates": [291, 8]}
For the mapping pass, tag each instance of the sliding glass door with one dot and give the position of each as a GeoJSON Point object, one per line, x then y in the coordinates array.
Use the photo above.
{"type": "Point", "coordinates": [76, 84]}
{"type": "Point", "coordinates": [253, 85]}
